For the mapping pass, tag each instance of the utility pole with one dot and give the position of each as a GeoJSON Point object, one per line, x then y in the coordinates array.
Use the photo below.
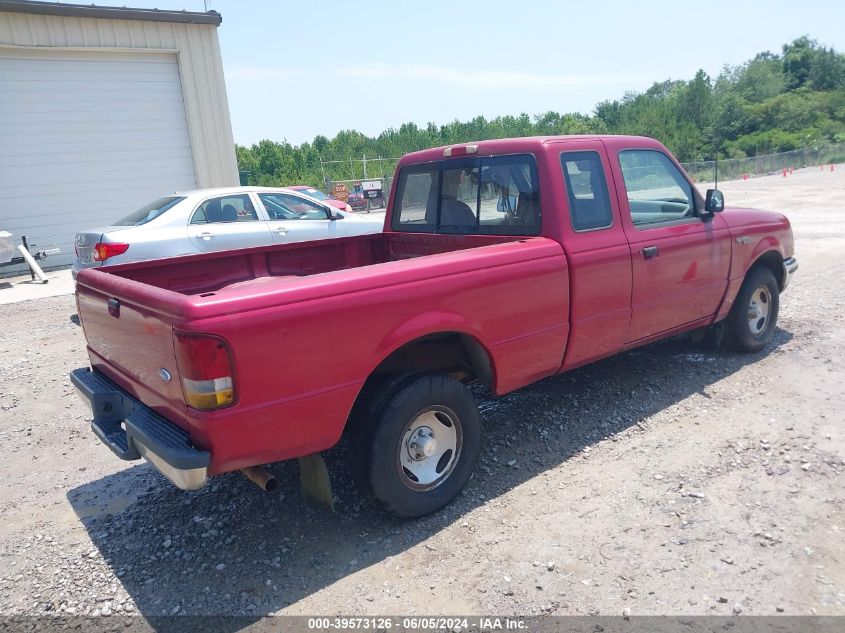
{"type": "Point", "coordinates": [716, 184]}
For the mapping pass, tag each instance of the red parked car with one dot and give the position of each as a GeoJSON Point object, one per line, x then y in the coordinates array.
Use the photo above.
{"type": "Point", "coordinates": [501, 262]}
{"type": "Point", "coordinates": [324, 198]}
{"type": "Point", "coordinates": [357, 200]}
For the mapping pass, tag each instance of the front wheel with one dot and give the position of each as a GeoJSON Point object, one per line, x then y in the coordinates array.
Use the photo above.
{"type": "Point", "coordinates": [418, 446]}
{"type": "Point", "coordinates": [751, 323]}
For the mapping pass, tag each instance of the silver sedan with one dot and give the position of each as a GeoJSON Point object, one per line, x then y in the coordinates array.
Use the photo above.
{"type": "Point", "coordinates": [207, 220]}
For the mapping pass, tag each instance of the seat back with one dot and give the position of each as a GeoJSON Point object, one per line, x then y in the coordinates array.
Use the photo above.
{"type": "Point", "coordinates": [230, 214]}
{"type": "Point", "coordinates": [213, 211]}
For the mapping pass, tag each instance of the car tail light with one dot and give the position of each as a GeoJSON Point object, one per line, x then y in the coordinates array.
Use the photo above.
{"type": "Point", "coordinates": [102, 251]}
{"type": "Point", "coordinates": [206, 369]}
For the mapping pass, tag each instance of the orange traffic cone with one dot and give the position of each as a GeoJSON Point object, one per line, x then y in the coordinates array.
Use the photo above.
{"type": "Point", "coordinates": [745, 176]}
{"type": "Point", "coordinates": [791, 170]}
{"type": "Point", "coordinates": [784, 172]}
{"type": "Point", "coordinates": [831, 167]}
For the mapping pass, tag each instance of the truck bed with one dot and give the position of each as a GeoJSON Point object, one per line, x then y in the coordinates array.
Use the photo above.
{"type": "Point", "coordinates": [261, 268]}
{"type": "Point", "coordinates": [308, 322]}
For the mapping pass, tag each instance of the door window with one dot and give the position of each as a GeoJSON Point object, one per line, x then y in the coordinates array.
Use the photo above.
{"type": "Point", "coordinates": [589, 203]}
{"type": "Point", "coordinates": [657, 190]}
{"type": "Point", "coordinates": [232, 208]}
{"type": "Point", "coordinates": [285, 206]}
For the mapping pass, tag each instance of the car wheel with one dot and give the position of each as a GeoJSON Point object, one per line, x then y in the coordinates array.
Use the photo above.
{"type": "Point", "coordinates": [751, 322]}
{"type": "Point", "coordinates": [418, 445]}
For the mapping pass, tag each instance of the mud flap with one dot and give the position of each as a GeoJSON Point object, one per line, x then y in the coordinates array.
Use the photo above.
{"type": "Point", "coordinates": [709, 338]}
{"type": "Point", "coordinates": [713, 336]}
{"type": "Point", "coordinates": [315, 481]}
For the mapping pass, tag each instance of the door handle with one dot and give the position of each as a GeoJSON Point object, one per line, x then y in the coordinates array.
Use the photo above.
{"type": "Point", "coordinates": [206, 235]}
{"type": "Point", "coordinates": [650, 252]}
{"type": "Point", "coordinates": [281, 230]}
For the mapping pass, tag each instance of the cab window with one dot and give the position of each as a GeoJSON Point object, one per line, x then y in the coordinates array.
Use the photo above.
{"type": "Point", "coordinates": [586, 188]}
{"type": "Point", "coordinates": [492, 196]}
{"type": "Point", "coordinates": [416, 199]}
{"type": "Point", "coordinates": [657, 190]}
{"type": "Point", "coordinates": [232, 208]}
{"type": "Point", "coordinates": [459, 199]}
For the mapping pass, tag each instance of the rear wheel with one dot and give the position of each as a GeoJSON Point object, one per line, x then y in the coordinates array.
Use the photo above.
{"type": "Point", "coordinates": [416, 447]}
{"type": "Point", "coordinates": [751, 323]}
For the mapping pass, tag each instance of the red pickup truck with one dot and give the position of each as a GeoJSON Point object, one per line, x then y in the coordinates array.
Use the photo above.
{"type": "Point", "coordinates": [501, 262]}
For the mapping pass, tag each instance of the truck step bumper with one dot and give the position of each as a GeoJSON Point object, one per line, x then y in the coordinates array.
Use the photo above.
{"type": "Point", "coordinates": [132, 431]}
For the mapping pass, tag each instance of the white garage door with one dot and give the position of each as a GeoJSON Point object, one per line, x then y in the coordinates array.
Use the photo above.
{"type": "Point", "coordinates": [86, 138]}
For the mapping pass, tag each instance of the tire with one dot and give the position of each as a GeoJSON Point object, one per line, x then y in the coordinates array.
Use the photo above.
{"type": "Point", "coordinates": [759, 293]}
{"type": "Point", "coordinates": [415, 446]}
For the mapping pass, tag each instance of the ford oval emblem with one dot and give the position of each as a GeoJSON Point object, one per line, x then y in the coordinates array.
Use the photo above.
{"type": "Point", "coordinates": [164, 374]}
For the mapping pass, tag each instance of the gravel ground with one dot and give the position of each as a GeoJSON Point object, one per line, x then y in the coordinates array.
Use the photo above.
{"type": "Point", "coordinates": [668, 480]}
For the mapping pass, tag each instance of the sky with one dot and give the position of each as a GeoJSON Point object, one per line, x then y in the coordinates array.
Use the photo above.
{"type": "Point", "coordinates": [296, 69]}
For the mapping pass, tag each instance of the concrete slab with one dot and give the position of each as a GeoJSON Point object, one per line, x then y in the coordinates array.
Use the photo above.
{"type": "Point", "coordinates": [17, 289]}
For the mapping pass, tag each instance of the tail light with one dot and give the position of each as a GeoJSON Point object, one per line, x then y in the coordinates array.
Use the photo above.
{"type": "Point", "coordinates": [102, 251]}
{"type": "Point", "coordinates": [206, 369]}
{"type": "Point", "coordinates": [460, 150]}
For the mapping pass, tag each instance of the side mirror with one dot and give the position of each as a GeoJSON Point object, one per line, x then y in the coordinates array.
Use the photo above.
{"type": "Point", "coordinates": [331, 213]}
{"type": "Point", "coordinates": [714, 202]}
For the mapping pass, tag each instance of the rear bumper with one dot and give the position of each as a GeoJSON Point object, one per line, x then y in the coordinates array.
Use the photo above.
{"type": "Point", "coordinates": [132, 431]}
{"type": "Point", "coordinates": [79, 266]}
{"type": "Point", "coordinates": [790, 265]}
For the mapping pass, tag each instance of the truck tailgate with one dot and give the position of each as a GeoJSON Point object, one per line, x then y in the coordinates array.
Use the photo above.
{"type": "Point", "coordinates": [132, 344]}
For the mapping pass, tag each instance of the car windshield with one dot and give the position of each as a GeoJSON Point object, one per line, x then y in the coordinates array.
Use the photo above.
{"type": "Point", "coordinates": [315, 193]}
{"type": "Point", "coordinates": [149, 211]}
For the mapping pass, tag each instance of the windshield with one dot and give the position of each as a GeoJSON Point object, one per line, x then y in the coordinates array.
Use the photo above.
{"type": "Point", "coordinates": [315, 193]}
{"type": "Point", "coordinates": [149, 212]}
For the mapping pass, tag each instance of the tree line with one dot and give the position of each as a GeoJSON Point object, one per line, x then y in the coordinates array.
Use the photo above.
{"type": "Point", "coordinates": [771, 103]}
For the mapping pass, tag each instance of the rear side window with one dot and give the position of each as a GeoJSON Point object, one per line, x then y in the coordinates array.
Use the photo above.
{"type": "Point", "coordinates": [416, 206]}
{"type": "Point", "coordinates": [490, 196]}
{"type": "Point", "coordinates": [149, 211]}
{"type": "Point", "coordinates": [657, 190]}
{"type": "Point", "coordinates": [589, 203]}
{"type": "Point", "coordinates": [232, 208]}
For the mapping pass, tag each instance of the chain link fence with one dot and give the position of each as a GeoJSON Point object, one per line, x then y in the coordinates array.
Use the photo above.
{"type": "Point", "coordinates": [363, 183]}
{"type": "Point", "coordinates": [366, 195]}
{"type": "Point", "coordinates": [736, 168]}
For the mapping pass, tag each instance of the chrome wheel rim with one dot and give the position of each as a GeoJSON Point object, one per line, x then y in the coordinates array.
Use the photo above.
{"type": "Point", "coordinates": [759, 310]}
{"type": "Point", "coordinates": [429, 448]}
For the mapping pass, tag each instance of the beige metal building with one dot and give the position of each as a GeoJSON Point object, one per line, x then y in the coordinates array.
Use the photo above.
{"type": "Point", "coordinates": [104, 109]}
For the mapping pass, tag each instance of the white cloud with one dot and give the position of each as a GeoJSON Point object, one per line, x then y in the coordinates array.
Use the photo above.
{"type": "Point", "coordinates": [479, 79]}
{"type": "Point", "coordinates": [249, 73]}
